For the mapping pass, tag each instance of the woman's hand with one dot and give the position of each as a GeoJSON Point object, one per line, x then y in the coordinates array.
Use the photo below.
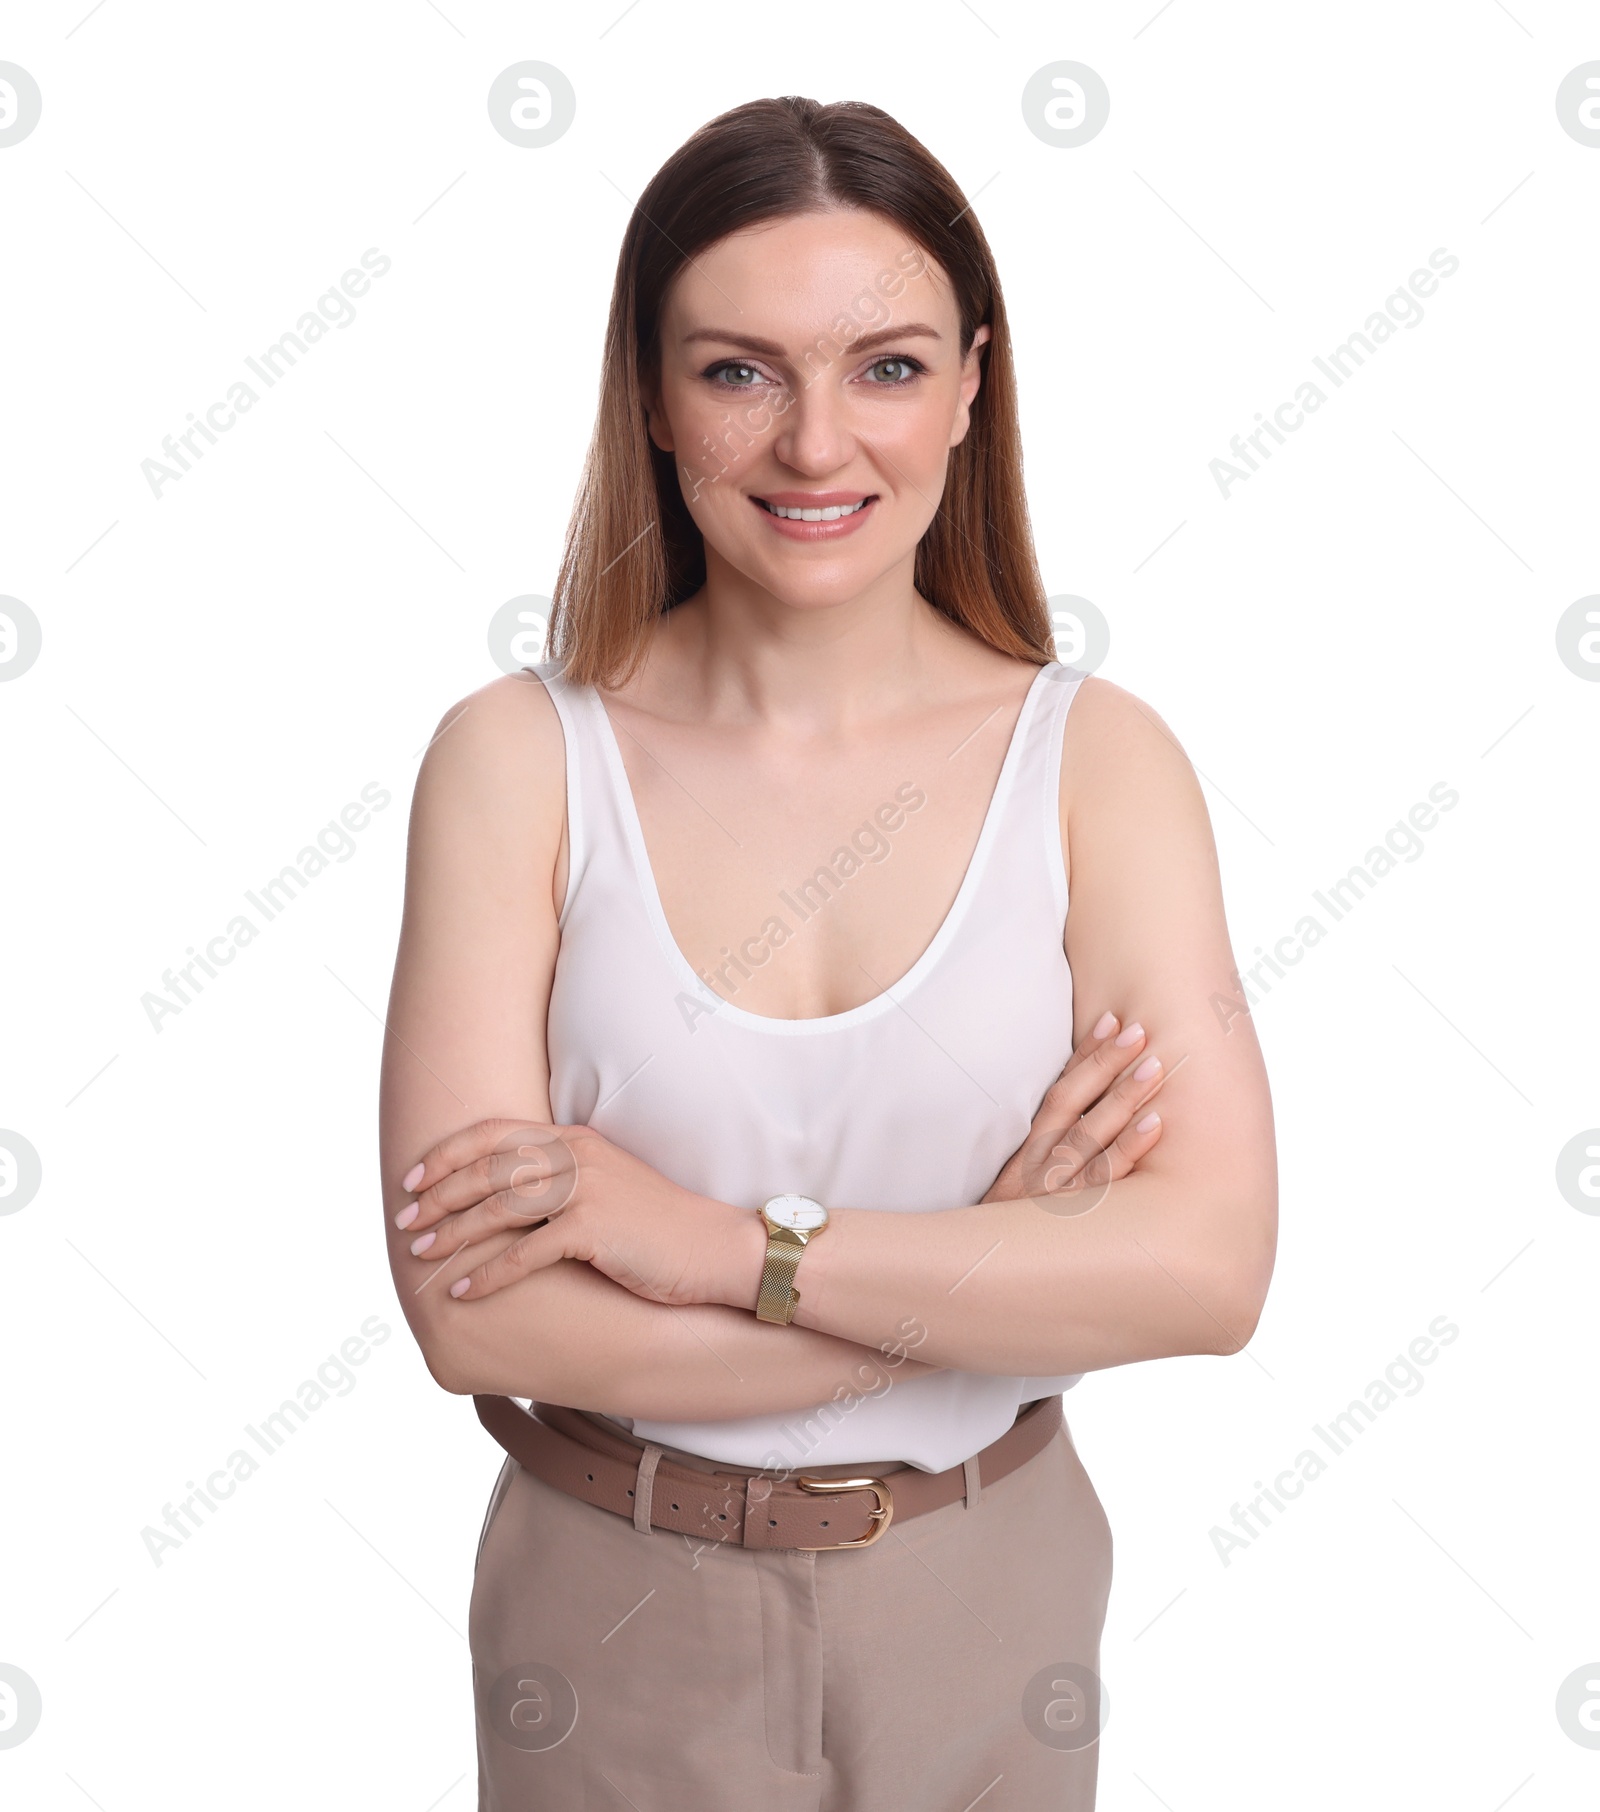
{"type": "Point", "coordinates": [1089, 1129]}
{"type": "Point", "coordinates": [581, 1197]}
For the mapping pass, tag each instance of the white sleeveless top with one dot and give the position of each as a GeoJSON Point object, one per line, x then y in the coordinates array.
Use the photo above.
{"type": "Point", "coordinates": [910, 1102]}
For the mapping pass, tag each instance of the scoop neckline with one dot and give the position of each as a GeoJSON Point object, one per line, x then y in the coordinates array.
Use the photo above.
{"type": "Point", "coordinates": [880, 1003]}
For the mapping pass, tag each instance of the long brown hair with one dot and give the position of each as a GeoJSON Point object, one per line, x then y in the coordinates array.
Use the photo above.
{"type": "Point", "coordinates": [632, 547]}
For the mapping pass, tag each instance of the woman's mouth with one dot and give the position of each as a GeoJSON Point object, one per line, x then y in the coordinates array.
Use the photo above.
{"type": "Point", "coordinates": [815, 516]}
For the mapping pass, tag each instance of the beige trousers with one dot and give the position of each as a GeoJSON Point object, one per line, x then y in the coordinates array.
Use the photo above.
{"type": "Point", "coordinates": [953, 1664]}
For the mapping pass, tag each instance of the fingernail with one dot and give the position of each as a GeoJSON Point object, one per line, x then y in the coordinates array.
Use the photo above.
{"type": "Point", "coordinates": [1131, 1034]}
{"type": "Point", "coordinates": [1148, 1123]}
{"type": "Point", "coordinates": [419, 1246]}
{"type": "Point", "coordinates": [1147, 1069]}
{"type": "Point", "coordinates": [406, 1216]}
{"type": "Point", "coordinates": [412, 1177]}
{"type": "Point", "coordinates": [461, 1286]}
{"type": "Point", "coordinates": [1103, 1025]}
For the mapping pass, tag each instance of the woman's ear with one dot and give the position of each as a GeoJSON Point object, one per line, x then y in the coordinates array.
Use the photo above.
{"type": "Point", "coordinates": [971, 377]}
{"type": "Point", "coordinates": [655, 417]}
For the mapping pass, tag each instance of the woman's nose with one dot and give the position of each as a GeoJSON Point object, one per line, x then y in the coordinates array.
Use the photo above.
{"type": "Point", "coordinates": [814, 432]}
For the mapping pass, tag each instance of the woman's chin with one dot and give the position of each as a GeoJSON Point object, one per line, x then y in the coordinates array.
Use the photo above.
{"type": "Point", "coordinates": [815, 592]}
{"type": "Point", "coordinates": [809, 580]}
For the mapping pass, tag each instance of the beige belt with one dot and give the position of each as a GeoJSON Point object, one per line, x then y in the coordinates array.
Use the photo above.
{"type": "Point", "coordinates": [755, 1507]}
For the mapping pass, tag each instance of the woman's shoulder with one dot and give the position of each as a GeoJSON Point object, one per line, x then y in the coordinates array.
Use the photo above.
{"type": "Point", "coordinates": [501, 720]}
{"type": "Point", "coordinates": [499, 749]}
{"type": "Point", "coordinates": [1123, 767]}
{"type": "Point", "coordinates": [1108, 723]}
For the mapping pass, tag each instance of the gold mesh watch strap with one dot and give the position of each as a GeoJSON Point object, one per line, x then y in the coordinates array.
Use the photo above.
{"type": "Point", "coordinates": [778, 1296]}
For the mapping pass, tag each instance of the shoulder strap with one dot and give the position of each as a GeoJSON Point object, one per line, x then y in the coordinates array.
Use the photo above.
{"type": "Point", "coordinates": [585, 771]}
{"type": "Point", "coordinates": [1059, 688]}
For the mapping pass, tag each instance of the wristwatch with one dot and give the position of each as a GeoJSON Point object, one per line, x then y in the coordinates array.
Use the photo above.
{"type": "Point", "coordinates": [791, 1222]}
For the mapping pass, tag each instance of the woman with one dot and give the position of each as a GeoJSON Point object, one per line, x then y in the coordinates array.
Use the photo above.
{"type": "Point", "coordinates": [797, 1522]}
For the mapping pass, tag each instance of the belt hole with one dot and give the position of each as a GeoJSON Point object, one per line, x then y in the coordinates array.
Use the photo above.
{"type": "Point", "coordinates": [722, 1516]}
{"type": "Point", "coordinates": [772, 1522]}
{"type": "Point", "coordinates": [674, 1506]}
{"type": "Point", "coordinates": [590, 1477]}
{"type": "Point", "coordinates": [630, 1491]}
{"type": "Point", "coordinates": [824, 1522]}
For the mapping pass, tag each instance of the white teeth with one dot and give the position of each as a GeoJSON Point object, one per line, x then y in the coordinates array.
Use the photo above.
{"type": "Point", "coordinates": [831, 514]}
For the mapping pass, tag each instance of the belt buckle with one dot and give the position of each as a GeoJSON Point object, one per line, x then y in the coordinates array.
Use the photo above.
{"type": "Point", "coordinates": [882, 1513]}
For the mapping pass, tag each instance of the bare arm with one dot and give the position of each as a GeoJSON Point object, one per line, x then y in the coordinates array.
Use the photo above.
{"type": "Point", "coordinates": [1177, 1256]}
{"type": "Point", "coordinates": [466, 1042]}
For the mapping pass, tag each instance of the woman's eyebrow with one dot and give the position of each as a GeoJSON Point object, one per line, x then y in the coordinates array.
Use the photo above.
{"type": "Point", "coordinates": [910, 330]}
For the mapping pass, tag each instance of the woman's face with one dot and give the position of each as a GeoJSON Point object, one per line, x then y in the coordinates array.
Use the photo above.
{"type": "Point", "coordinates": [812, 363]}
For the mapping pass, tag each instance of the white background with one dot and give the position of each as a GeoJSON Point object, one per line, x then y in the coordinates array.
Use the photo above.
{"type": "Point", "coordinates": [225, 667]}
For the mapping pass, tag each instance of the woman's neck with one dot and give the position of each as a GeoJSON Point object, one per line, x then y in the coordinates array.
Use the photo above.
{"type": "Point", "coordinates": [733, 651]}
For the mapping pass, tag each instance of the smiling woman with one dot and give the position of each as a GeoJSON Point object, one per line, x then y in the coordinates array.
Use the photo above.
{"type": "Point", "coordinates": [855, 237]}
{"type": "Point", "coordinates": [803, 1277]}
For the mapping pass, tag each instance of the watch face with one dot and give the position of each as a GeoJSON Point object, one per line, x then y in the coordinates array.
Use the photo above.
{"type": "Point", "coordinates": [798, 1212]}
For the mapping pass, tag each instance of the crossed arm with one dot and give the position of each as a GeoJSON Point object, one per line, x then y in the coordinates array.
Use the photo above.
{"type": "Point", "coordinates": [1174, 1258]}
{"type": "Point", "coordinates": [465, 1042]}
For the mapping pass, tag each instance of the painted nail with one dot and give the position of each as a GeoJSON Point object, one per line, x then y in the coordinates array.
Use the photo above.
{"type": "Point", "coordinates": [1130, 1034]}
{"type": "Point", "coordinates": [419, 1246]}
{"type": "Point", "coordinates": [1147, 1069]}
{"type": "Point", "coordinates": [407, 1215]}
{"type": "Point", "coordinates": [1148, 1123]}
{"type": "Point", "coordinates": [413, 1176]}
{"type": "Point", "coordinates": [1103, 1025]}
{"type": "Point", "coordinates": [461, 1286]}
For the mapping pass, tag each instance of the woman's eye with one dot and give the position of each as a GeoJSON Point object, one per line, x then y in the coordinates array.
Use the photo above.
{"type": "Point", "coordinates": [894, 370]}
{"type": "Point", "coordinates": [741, 378]}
